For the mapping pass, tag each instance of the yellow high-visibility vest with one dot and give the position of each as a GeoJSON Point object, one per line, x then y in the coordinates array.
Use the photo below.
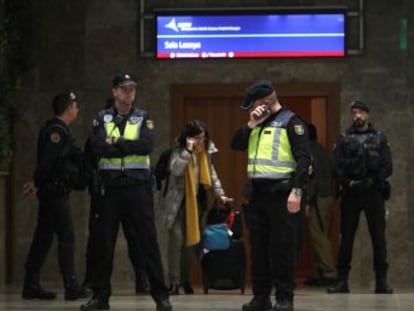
{"type": "Point", "coordinates": [269, 153]}
{"type": "Point", "coordinates": [131, 132]}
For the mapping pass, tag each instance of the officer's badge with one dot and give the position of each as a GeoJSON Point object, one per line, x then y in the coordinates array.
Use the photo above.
{"type": "Point", "coordinates": [55, 137]}
{"type": "Point", "coordinates": [150, 124]}
{"type": "Point", "coordinates": [299, 129]}
{"type": "Point", "coordinates": [108, 118]}
{"type": "Point", "coordinates": [135, 119]}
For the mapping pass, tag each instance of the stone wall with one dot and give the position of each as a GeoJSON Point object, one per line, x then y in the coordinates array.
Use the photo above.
{"type": "Point", "coordinates": [81, 46]}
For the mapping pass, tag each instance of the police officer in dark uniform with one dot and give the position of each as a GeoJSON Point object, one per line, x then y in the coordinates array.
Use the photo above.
{"type": "Point", "coordinates": [362, 164]}
{"type": "Point", "coordinates": [278, 163]}
{"type": "Point", "coordinates": [122, 139]}
{"type": "Point", "coordinates": [57, 158]}
{"type": "Point", "coordinates": [134, 251]}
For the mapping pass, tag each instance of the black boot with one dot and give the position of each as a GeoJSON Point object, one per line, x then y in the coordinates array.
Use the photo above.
{"type": "Point", "coordinates": [258, 304]}
{"type": "Point", "coordinates": [188, 289]}
{"type": "Point", "coordinates": [72, 289]}
{"type": "Point", "coordinates": [33, 290]}
{"type": "Point", "coordinates": [382, 286]}
{"type": "Point", "coordinates": [339, 287]}
{"type": "Point", "coordinates": [164, 305]}
{"type": "Point", "coordinates": [283, 305]}
{"type": "Point", "coordinates": [141, 283]}
{"type": "Point", "coordinates": [95, 303]}
{"type": "Point", "coordinates": [174, 289]}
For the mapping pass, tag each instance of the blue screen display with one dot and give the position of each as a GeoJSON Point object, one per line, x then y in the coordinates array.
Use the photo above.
{"type": "Point", "coordinates": [250, 36]}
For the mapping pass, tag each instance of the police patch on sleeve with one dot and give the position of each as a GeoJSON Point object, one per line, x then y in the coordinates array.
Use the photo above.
{"type": "Point", "coordinates": [150, 124]}
{"type": "Point", "coordinates": [95, 123]}
{"type": "Point", "coordinates": [299, 129]}
{"type": "Point", "coordinates": [55, 137]}
{"type": "Point", "coordinates": [108, 118]}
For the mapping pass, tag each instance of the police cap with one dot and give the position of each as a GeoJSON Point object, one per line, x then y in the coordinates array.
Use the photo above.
{"type": "Point", "coordinates": [62, 100]}
{"type": "Point", "coordinates": [357, 104]}
{"type": "Point", "coordinates": [257, 90]}
{"type": "Point", "coordinates": [122, 80]}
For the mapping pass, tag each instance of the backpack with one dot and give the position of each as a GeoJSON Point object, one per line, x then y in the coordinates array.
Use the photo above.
{"type": "Point", "coordinates": [161, 170]}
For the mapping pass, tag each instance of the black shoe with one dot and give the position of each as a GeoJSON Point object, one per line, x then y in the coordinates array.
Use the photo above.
{"type": "Point", "coordinates": [164, 305]}
{"type": "Point", "coordinates": [174, 290]}
{"type": "Point", "coordinates": [283, 305]}
{"type": "Point", "coordinates": [188, 289]}
{"type": "Point", "coordinates": [95, 304]}
{"type": "Point", "coordinates": [340, 287]}
{"type": "Point", "coordinates": [382, 287]}
{"type": "Point", "coordinates": [258, 304]}
{"type": "Point", "coordinates": [35, 291]}
{"type": "Point", "coordinates": [74, 293]}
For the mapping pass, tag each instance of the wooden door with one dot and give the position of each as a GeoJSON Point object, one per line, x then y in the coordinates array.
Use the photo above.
{"type": "Point", "coordinates": [219, 106]}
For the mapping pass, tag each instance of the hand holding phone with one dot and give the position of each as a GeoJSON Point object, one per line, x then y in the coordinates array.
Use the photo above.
{"type": "Point", "coordinates": [190, 141]}
{"type": "Point", "coordinates": [263, 113]}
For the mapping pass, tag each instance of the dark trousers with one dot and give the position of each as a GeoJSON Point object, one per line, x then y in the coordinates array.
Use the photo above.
{"type": "Point", "coordinates": [135, 204]}
{"type": "Point", "coordinates": [134, 250]}
{"type": "Point", "coordinates": [54, 217]}
{"type": "Point", "coordinates": [371, 202]}
{"type": "Point", "coordinates": [274, 236]}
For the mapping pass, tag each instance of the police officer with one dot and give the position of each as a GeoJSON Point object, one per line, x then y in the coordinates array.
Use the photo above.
{"type": "Point", "coordinates": [134, 251]}
{"type": "Point", "coordinates": [278, 163]}
{"type": "Point", "coordinates": [52, 184]}
{"type": "Point", "coordinates": [123, 138]}
{"type": "Point", "coordinates": [362, 163]}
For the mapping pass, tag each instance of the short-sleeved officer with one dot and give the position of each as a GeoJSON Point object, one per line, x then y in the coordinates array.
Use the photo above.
{"type": "Point", "coordinates": [122, 139]}
{"type": "Point", "coordinates": [55, 151]}
{"type": "Point", "coordinates": [278, 163]}
{"type": "Point", "coordinates": [362, 164]}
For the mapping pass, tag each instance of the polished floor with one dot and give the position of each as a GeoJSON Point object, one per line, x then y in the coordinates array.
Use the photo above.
{"type": "Point", "coordinates": [307, 299]}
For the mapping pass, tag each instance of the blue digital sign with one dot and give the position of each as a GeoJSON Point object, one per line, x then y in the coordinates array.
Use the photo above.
{"type": "Point", "coordinates": [256, 35]}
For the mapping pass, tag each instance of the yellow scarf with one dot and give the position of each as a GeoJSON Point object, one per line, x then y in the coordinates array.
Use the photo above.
{"type": "Point", "coordinates": [191, 206]}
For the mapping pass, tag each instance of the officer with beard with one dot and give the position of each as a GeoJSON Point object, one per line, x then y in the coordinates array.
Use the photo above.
{"type": "Point", "coordinates": [362, 164]}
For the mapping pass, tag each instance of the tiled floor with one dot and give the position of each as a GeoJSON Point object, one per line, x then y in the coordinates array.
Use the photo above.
{"type": "Point", "coordinates": [307, 299]}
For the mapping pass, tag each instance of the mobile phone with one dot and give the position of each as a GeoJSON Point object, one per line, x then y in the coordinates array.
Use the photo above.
{"type": "Point", "coordinates": [264, 113]}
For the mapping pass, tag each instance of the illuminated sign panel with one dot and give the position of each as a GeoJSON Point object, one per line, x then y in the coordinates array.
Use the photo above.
{"type": "Point", "coordinates": [256, 35]}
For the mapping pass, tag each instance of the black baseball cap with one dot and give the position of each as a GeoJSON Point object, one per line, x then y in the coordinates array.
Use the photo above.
{"type": "Point", "coordinates": [357, 104]}
{"type": "Point", "coordinates": [122, 80]}
{"type": "Point", "coordinates": [257, 90]}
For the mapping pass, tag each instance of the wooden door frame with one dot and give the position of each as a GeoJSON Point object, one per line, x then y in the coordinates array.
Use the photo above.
{"type": "Point", "coordinates": [180, 93]}
{"type": "Point", "coordinates": [330, 91]}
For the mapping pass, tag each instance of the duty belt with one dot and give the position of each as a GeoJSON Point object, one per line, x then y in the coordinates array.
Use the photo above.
{"type": "Point", "coordinates": [270, 185]}
{"type": "Point", "coordinates": [121, 182]}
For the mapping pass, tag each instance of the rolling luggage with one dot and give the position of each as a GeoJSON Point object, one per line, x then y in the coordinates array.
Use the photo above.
{"type": "Point", "coordinates": [225, 269]}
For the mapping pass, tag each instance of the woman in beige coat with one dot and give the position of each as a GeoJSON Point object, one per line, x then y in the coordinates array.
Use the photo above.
{"type": "Point", "coordinates": [179, 216]}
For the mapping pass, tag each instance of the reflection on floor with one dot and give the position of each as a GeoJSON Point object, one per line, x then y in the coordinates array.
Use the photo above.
{"type": "Point", "coordinates": [307, 299]}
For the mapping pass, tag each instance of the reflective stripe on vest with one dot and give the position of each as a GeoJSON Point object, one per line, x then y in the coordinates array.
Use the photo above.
{"type": "Point", "coordinates": [270, 154]}
{"type": "Point", "coordinates": [131, 132]}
